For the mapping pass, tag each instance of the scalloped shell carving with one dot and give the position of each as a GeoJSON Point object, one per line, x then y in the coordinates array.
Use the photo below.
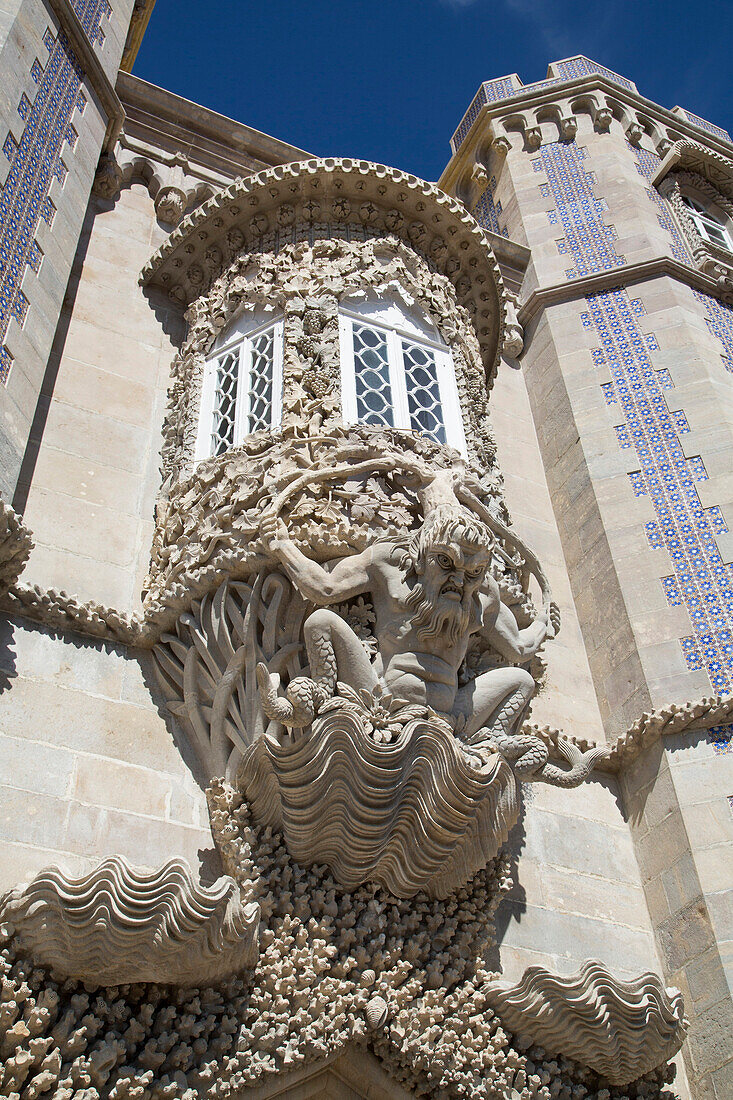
{"type": "Point", "coordinates": [120, 924]}
{"type": "Point", "coordinates": [411, 815]}
{"type": "Point", "coordinates": [622, 1030]}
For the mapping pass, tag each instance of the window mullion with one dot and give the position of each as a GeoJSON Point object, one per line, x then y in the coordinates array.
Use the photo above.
{"type": "Point", "coordinates": [277, 374]}
{"type": "Point", "coordinates": [241, 416]}
{"type": "Point", "coordinates": [401, 409]}
{"type": "Point", "coordinates": [348, 369]}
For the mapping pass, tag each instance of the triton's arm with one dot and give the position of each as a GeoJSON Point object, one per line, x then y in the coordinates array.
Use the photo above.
{"type": "Point", "coordinates": [501, 631]}
{"type": "Point", "coordinates": [322, 586]}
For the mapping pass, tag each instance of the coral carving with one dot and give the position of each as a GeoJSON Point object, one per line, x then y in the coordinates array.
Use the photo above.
{"type": "Point", "coordinates": [16, 544]}
{"type": "Point", "coordinates": [120, 924]}
{"type": "Point", "coordinates": [385, 798]}
{"type": "Point", "coordinates": [622, 1030]}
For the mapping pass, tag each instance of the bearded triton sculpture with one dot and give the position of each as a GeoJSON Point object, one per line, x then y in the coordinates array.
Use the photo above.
{"type": "Point", "coordinates": [432, 595]}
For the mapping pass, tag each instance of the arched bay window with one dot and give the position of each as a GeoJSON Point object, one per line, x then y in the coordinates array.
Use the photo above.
{"type": "Point", "coordinates": [710, 225]}
{"type": "Point", "coordinates": [242, 385]}
{"type": "Point", "coordinates": [396, 371]}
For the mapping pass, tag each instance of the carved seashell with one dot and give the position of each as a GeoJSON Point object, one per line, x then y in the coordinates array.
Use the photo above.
{"type": "Point", "coordinates": [375, 1013]}
{"type": "Point", "coordinates": [410, 815]}
{"type": "Point", "coordinates": [622, 1030]}
{"type": "Point", "coordinates": [120, 924]}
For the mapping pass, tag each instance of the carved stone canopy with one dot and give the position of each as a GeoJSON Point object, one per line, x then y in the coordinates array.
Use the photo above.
{"type": "Point", "coordinates": [346, 199]}
{"type": "Point", "coordinates": [704, 162]}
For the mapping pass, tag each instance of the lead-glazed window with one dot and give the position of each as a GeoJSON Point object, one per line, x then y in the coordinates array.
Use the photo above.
{"type": "Point", "coordinates": [396, 372]}
{"type": "Point", "coordinates": [708, 224]}
{"type": "Point", "coordinates": [242, 386]}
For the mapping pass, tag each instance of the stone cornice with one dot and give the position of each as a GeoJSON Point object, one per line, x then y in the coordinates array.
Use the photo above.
{"type": "Point", "coordinates": [260, 213]}
{"type": "Point", "coordinates": [673, 125]}
{"type": "Point", "coordinates": [618, 276]}
{"type": "Point", "coordinates": [93, 69]}
{"type": "Point", "coordinates": [165, 122]}
{"type": "Point", "coordinates": [141, 13]}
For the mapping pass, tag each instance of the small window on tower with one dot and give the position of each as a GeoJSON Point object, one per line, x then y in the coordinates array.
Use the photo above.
{"type": "Point", "coordinates": [242, 387]}
{"type": "Point", "coordinates": [711, 226]}
{"type": "Point", "coordinates": [397, 372]}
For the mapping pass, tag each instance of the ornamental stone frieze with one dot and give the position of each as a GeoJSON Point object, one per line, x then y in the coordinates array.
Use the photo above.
{"type": "Point", "coordinates": [348, 635]}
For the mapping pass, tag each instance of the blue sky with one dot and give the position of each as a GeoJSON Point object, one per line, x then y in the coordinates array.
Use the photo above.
{"type": "Point", "coordinates": [390, 80]}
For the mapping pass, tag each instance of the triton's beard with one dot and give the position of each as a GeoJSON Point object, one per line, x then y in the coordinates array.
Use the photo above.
{"type": "Point", "coordinates": [431, 622]}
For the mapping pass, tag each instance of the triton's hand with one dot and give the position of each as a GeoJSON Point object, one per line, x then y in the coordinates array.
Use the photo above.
{"type": "Point", "coordinates": [554, 625]}
{"type": "Point", "coordinates": [272, 530]}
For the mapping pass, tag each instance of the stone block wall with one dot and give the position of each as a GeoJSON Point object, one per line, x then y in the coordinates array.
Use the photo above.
{"type": "Point", "coordinates": [91, 487]}
{"type": "Point", "coordinates": [88, 766]}
{"type": "Point", "coordinates": [52, 128]}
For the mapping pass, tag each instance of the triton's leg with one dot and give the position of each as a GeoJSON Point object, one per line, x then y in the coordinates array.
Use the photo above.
{"type": "Point", "coordinates": [495, 699]}
{"type": "Point", "coordinates": [335, 653]}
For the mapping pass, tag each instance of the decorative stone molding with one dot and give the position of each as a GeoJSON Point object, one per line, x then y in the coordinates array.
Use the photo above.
{"type": "Point", "coordinates": [59, 611]}
{"type": "Point", "coordinates": [675, 718]}
{"type": "Point", "coordinates": [120, 924]}
{"type": "Point", "coordinates": [622, 1030]}
{"type": "Point", "coordinates": [692, 156]}
{"type": "Point", "coordinates": [336, 198]}
{"type": "Point", "coordinates": [16, 543]}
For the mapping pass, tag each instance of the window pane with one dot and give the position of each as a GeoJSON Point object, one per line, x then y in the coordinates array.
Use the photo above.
{"type": "Point", "coordinates": [423, 394]}
{"type": "Point", "coordinates": [225, 402]}
{"type": "Point", "coordinates": [371, 368]}
{"type": "Point", "coordinates": [260, 381]}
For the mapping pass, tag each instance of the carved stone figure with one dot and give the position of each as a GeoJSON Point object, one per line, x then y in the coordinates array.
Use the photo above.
{"type": "Point", "coordinates": [429, 598]}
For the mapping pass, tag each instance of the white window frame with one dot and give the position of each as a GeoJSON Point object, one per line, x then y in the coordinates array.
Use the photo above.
{"type": "Point", "coordinates": [241, 335]}
{"type": "Point", "coordinates": [395, 324]}
{"type": "Point", "coordinates": [703, 219]}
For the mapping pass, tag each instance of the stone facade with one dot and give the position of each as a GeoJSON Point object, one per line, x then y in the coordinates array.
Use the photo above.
{"type": "Point", "coordinates": [308, 838]}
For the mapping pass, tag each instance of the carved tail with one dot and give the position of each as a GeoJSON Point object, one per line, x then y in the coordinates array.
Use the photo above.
{"type": "Point", "coordinates": [298, 708]}
{"type": "Point", "coordinates": [581, 765]}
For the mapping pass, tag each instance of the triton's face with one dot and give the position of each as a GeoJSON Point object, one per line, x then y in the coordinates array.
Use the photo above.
{"type": "Point", "coordinates": [454, 572]}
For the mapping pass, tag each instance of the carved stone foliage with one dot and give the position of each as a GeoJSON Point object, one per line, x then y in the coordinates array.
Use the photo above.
{"type": "Point", "coordinates": [208, 527]}
{"type": "Point", "coordinates": [306, 284]}
{"type": "Point", "coordinates": [336, 199]}
{"type": "Point", "coordinates": [120, 924]}
{"type": "Point", "coordinates": [620, 1029]}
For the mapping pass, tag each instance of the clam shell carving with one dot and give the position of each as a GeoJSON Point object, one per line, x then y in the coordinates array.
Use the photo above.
{"type": "Point", "coordinates": [120, 924]}
{"type": "Point", "coordinates": [622, 1030]}
{"type": "Point", "coordinates": [410, 815]}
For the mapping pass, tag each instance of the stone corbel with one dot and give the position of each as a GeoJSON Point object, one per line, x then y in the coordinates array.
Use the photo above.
{"type": "Point", "coordinates": [533, 137]}
{"type": "Point", "coordinates": [479, 174]}
{"type": "Point", "coordinates": [603, 119]}
{"type": "Point", "coordinates": [170, 204]}
{"type": "Point", "coordinates": [501, 145]}
{"type": "Point", "coordinates": [568, 127]}
{"type": "Point", "coordinates": [108, 177]}
{"type": "Point", "coordinates": [634, 132]}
